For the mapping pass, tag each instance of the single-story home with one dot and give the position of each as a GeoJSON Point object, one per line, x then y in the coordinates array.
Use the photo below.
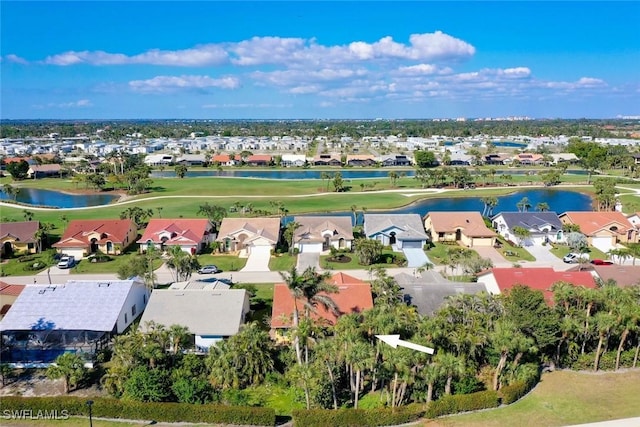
{"type": "Point", "coordinates": [83, 237]}
{"type": "Point", "coordinates": [191, 235]}
{"type": "Point", "coordinates": [542, 226]}
{"type": "Point", "coordinates": [210, 315]}
{"type": "Point", "coordinates": [464, 228]}
{"type": "Point", "coordinates": [361, 160]}
{"type": "Point", "coordinates": [353, 296]}
{"type": "Point", "coordinates": [500, 280]}
{"type": "Point", "coordinates": [80, 317]}
{"type": "Point", "coordinates": [259, 160]}
{"type": "Point", "coordinates": [327, 160]}
{"type": "Point", "coordinates": [43, 171]}
{"type": "Point", "coordinates": [19, 237]}
{"type": "Point", "coordinates": [297, 160]}
{"type": "Point", "coordinates": [191, 159]}
{"type": "Point", "coordinates": [623, 275]}
{"type": "Point", "coordinates": [399, 230]}
{"type": "Point", "coordinates": [320, 233]}
{"type": "Point", "coordinates": [427, 296]}
{"type": "Point", "coordinates": [223, 160]}
{"type": "Point", "coordinates": [604, 230]}
{"type": "Point", "coordinates": [249, 234]}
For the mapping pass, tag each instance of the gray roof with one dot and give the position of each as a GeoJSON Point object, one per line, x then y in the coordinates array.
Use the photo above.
{"type": "Point", "coordinates": [411, 224]}
{"type": "Point", "coordinates": [204, 312]}
{"type": "Point", "coordinates": [76, 306]}
{"type": "Point", "coordinates": [532, 221]}
{"type": "Point", "coordinates": [427, 296]}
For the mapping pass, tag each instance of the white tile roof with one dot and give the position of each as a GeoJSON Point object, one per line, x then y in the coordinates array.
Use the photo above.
{"type": "Point", "coordinates": [77, 305]}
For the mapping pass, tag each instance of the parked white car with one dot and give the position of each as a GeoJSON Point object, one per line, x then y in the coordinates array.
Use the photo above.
{"type": "Point", "coordinates": [67, 261]}
{"type": "Point", "coordinates": [574, 258]}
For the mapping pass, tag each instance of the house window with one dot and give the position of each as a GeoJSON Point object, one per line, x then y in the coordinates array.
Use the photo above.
{"type": "Point", "coordinates": [126, 319]}
{"type": "Point", "coordinates": [144, 299]}
{"type": "Point", "coordinates": [133, 310]}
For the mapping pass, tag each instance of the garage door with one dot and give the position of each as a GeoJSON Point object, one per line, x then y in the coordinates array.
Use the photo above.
{"type": "Point", "coordinates": [416, 244]}
{"type": "Point", "coordinates": [76, 253]}
{"type": "Point", "coordinates": [311, 247]}
{"type": "Point", "coordinates": [602, 243]}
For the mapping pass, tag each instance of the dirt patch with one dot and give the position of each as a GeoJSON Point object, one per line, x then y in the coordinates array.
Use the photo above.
{"type": "Point", "coordinates": [32, 383]}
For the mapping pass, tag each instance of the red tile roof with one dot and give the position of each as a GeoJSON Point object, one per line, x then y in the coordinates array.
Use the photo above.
{"type": "Point", "coordinates": [183, 231]}
{"type": "Point", "coordinates": [23, 231]}
{"type": "Point", "coordinates": [540, 279]}
{"type": "Point", "coordinates": [79, 232]}
{"type": "Point", "coordinates": [471, 223]}
{"type": "Point", "coordinates": [221, 158]}
{"type": "Point", "coordinates": [10, 290]}
{"type": "Point", "coordinates": [259, 158]}
{"type": "Point", "coordinates": [353, 296]}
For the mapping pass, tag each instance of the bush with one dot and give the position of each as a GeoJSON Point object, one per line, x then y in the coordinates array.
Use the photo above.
{"type": "Point", "coordinates": [513, 392]}
{"type": "Point", "coordinates": [452, 404]}
{"type": "Point", "coordinates": [357, 417]}
{"type": "Point", "coordinates": [163, 412]}
{"type": "Point", "coordinates": [585, 361]}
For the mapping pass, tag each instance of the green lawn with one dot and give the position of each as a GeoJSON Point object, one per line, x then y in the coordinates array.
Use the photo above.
{"type": "Point", "coordinates": [562, 398]}
{"type": "Point", "coordinates": [594, 253]}
{"type": "Point", "coordinates": [26, 265]}
{"type": "Point", "coordinates": [514, 253]}
{"type": "Point", "coordinates": [282, 262]}
{"type": "Point", "coordinates": [223, 262]}
{"type": "Point", "coordinates": [354, 264]}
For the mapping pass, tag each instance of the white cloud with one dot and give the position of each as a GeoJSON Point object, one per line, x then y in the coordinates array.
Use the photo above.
{"type": "Point", "coordinates": [162, 84]}
{"type": "Point", "coordinates": [15, 59]}
{"type": "Point", "coordinates": [81, 103]}
{"type": "Point", "coordinates": [214, 106]}
{"type": "Point", "coordinates": [439, 45]}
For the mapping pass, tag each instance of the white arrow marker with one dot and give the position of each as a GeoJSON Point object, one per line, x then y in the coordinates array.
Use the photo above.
{"type": "Point", "coordinates": [395, 341]}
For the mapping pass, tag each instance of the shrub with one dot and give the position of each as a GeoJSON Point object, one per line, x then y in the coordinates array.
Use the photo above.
{"type": "Point", "coordinates": [513, 392]}
{"type": "Point", "coordinates": [163, 412]}
{"type": "Point", "coordinates": [452, 404]}
{"type": "Point", "coordinates": [357, 417]}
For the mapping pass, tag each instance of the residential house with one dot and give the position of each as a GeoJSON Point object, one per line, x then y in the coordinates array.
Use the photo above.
{"type": "Point", "coordinates": [360, 160]}
{"type": "Point", "coordinates": [319, 233]}
{"type": "Point", "coordinates": [464, 228]}
{"type": "Point", "coordinates": [395, 160]}
{"type": "Point", "coordinates": [83, 237]}
{"type": "Point", "coordinates": [501, 280]}
{"type": "Point", "coordinates": [249, 234]}
{"type": "Point", "coordinates": [327, 160]}
{"type": "Point", "coordinates": [542, 227]}
{"type": "Point", "coordinates": [44, 171]}
{"type": "Point", "coordinates": [158, 159]}
{"type": "Point", "coordinates": [210, 315]}
{"type": "Point", "coordinates": [623, 275]}
{"type": "Point", "coordinates": [191, 159]}
{"type": "Point", "coordinates": [8, 295]}
{"type": "Point", "coordinates": [80, 317]}
{"type": "Point", "coordinates": [495, 159]}
{"type": "Point", "coordinates": [19, 238]}
{"type": "Point", "coordinates": [297, 160]}
{"type": "Point", "coordinates": [352, 296]}
{"type": "Point", "coordinates": [529, 159]}
{"type": "Point", "coordinates": [634, 219]}
{"type": "Point", "coordinates": [191, 235]}
{"type": "Point", "coordinates": [223, 160]}
{"type": "Point", "coordinates": [428, 296]}
{"type": "Point", "coordinates": [558, 158]}
{"type": "Point", "coordinates": [604, 230]}
{"type": "Point", "coordinates": [259, 160]}
{"type": "Point", "coordinates": [403, 232]}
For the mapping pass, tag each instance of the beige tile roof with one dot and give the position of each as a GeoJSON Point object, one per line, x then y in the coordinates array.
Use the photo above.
{"type": "Point", "coordinates": [471, 223]}
{"type": "Point", "coordinates": [269, 228]}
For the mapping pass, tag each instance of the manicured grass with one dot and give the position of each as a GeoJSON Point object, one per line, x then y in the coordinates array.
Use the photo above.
{"type": "Point", "coordinates": [354, 264]}
{"type": "Point", "coordinates": [514, 253]}
{"type": "Point", "coordinates": [561, 250]}
{"type": "Point", "coordinates": [282, 262]}
{"type": "Point", "coordinates": [18, 266]}
{"type": "Point", "coordinates": [562, 398]}
{"type": "Point", "coordinates": [85, 266]}
{"type": "Point", "coordinates": [223, 262]}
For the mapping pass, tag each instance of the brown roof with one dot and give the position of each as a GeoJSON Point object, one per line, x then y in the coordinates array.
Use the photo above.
{"type": "Point", "coordinates": [10, 290]}
{"type": "Point", "coordinates": [624, 275]}
{"type": "Point", "coordinates": [471, 223]}
{"type": "Point", "coordinates": [592, 222]}
{"type": "Point", "coordinates": [221, 158]}
{"type": "Point", "coordinates": [311, 228]}
{"type": "Point", "coordinates": [49, 167]}
{"type": "Point", "coordinates": [23, 231]}
{"type": "Point", "coordinates": [79, 232]}
{"type": "Point", "coordinates": [259, 158]}
{"type": "Point", "coordinates": [353, 296]}
{"type": "Point", "coordinates": [269, 228]}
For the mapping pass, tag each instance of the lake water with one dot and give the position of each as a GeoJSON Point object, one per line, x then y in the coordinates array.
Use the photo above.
{"type": "Point", "coordinates": [559, 201]}
{"type": "Point", "coordinates": [51, 198]}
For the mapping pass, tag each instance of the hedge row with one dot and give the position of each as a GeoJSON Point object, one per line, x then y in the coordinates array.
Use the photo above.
{"type": "Point", "coordinates": [357, 417]}
{"type": "Point", "coordinates": [607, 361]}
{"type": "Point", "coordinates": [452, 404]}
{"type": "Point", "coordinates": [165, 412]}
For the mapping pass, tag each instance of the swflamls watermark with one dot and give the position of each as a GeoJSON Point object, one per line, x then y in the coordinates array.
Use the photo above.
{"type": "Point", "coordinates": [30, 414]}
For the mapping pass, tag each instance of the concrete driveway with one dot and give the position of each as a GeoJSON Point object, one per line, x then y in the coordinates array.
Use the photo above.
{"type": "Point", "coordinates": [544, 258]}
{"type": "Point", "coordinates": [258, 259]}
{"type": "Point", "coordinates": [495, 256]}
{"type": "Point", "coordinates": [308, 259]}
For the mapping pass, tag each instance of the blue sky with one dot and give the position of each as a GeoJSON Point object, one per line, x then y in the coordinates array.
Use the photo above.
{"type": "Point", "coordinates": [319, 60]}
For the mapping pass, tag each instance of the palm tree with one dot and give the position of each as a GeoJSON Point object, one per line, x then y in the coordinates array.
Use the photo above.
{"type": "Point", "coordinates": [179, 336]}
{"type": "Point", "coordinates": [451, 367]}
{"type": "Point", "coordinates": [309, 289]}
{"type": "Point", "coordinates": [327, 176]}
{"type": "Point", "coordinates": [69, 367]}
{"type": "Point", "coordinates": [354, 211]}
{"type": "Point", "coordinates": [523, 205]}
{"type": "Point", "coordinates": [358, 357]}
{"type": "Point", "coordinates": [542, 207]}
{"type": "Point", "coordinates": [290, 234]}
{"type": "Point", "coordinates": [393, 177]}
{"type": "Point", "coordinates": [11, 191]}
